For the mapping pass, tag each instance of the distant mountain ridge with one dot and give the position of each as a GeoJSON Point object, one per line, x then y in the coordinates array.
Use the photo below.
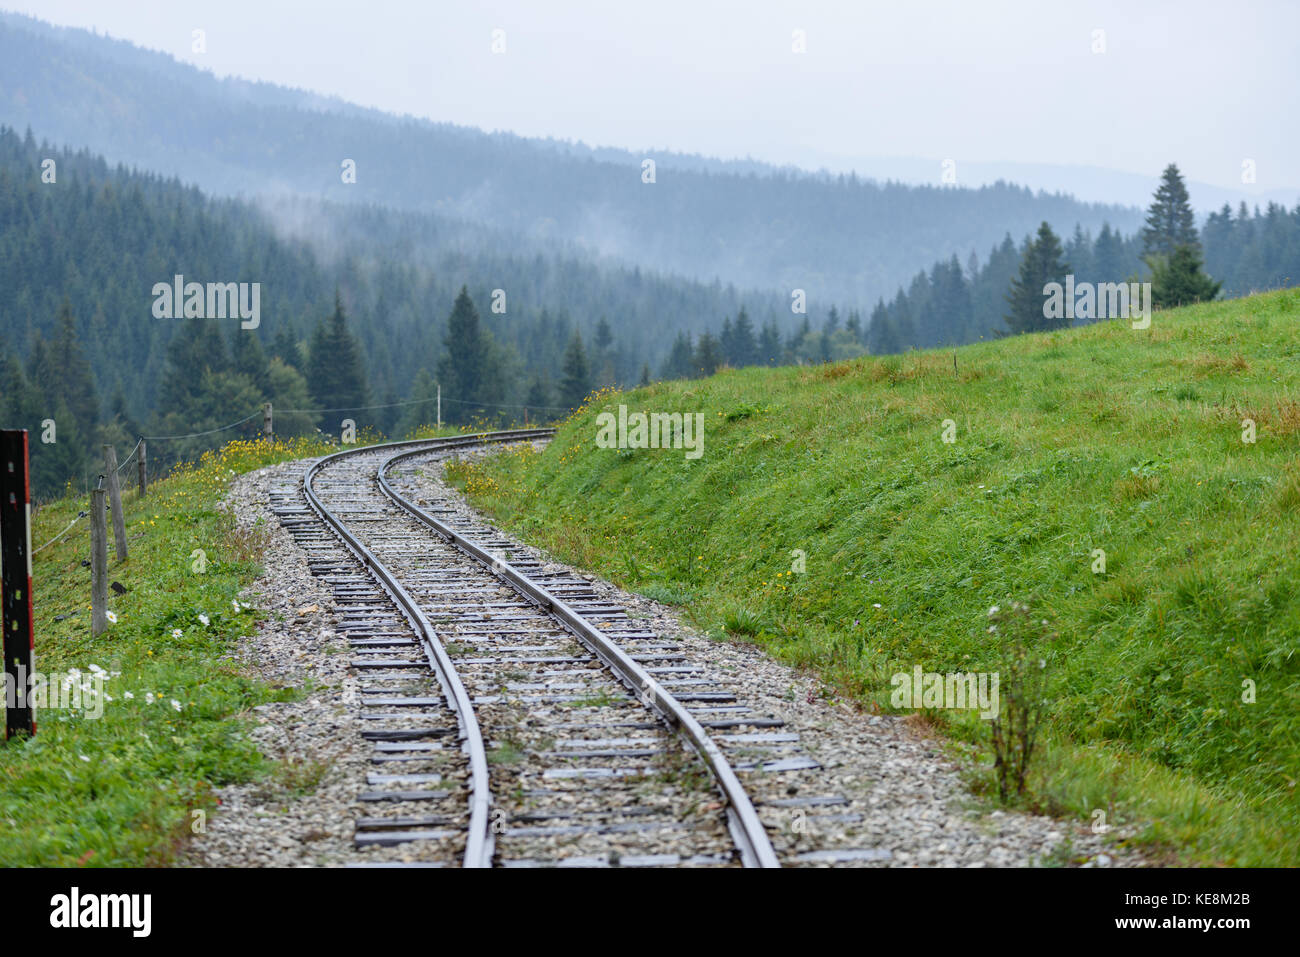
{"type": "Point", "coordinates": [841, 239]}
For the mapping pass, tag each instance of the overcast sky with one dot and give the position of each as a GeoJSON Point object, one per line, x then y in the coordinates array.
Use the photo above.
{"type": "Point", "coordinates": [1205, 84]}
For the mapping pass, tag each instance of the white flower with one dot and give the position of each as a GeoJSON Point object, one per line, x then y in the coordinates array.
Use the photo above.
{"type": "Point", "coordinates": [148, 697]}
{"type": "Point", "coordinates": [235, 604]}
{"type": "Point", "coordinates": [176, 632]}
{"type": "Point", "coordinates": [96, 669]}
{"type": "Point", "coordinates": [176, 704]}
{"type": "Point", "coordinates": [111, 617]}
{"type": "Point", "coordinates": [127, 695]}
{"type": "Point", "coordinates": [993, 611]}
{"type": "Point", "coordinates": [84, 758]}
{"type": "Point", "coordinates": [993, 629]}
{"type": "Point", "coordinates": [203, 620]}
{"type": "Point", "coordinates": [876, 605]}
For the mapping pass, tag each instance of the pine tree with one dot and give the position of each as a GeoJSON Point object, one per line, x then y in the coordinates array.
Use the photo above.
{"type": "Point", "coordinates": [645, 375]}
{"type": "Point", "coordinates": [1170, 222]}
{"type": "Point", "coordinates": [247, 357]}
{"type": "Point", "coordinates": [575, 384]}
{"type": "Point", "coordinates": [727, 341]}
{"type": "Point", "coordinates": [882, 336]}
{"type": "Point", "coordinates": [335, 374]}
{"type": "Point", "coordinates": [1040, 264]}
{"type": "Point", "coordinates": [769, 344]}
{"type": "Point", "coordinates": [680, 363]}
{"type": "Point", "coordinates": [744, 347]}
{"type": "Point", "coordinates": [1108, 256]}
{"type": "Point", "coordinates": [1178, 281]}
{"type": "Point", "coordinates": [285, 347]}
{"type": "Point", "coordinates": [854, 325]}
{"type": "Point", "coordinates": [470, 369]}
{"type": "Point", "coordinates": [539, 400]}
{"type": "Point", "coordinates": [1079, 252]}
{"type": "Point", "coordinates": [708, 355]}
{"type": "Point", "coordinates": [68, 373]}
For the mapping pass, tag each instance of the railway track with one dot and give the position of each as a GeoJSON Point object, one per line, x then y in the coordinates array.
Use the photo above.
{"type": "Point", "coordinates": [517, 718]}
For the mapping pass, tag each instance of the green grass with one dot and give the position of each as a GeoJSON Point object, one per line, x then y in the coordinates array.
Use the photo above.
{"type": "Point", "coordinates": [1101, 437]}
{"type": "Point", "coordinates": [122, 789]}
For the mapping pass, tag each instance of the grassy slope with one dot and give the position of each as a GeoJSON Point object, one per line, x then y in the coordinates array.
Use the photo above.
{"type": "Point", "coordinates": [1098, 437]}
{"type": "Point", "coordinates": [120, 789]}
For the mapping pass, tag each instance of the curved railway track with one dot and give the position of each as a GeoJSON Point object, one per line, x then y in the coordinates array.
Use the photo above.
{"type": "Point", "coordinates": [583, 738]}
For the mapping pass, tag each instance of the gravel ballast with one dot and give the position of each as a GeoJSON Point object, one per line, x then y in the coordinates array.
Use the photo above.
{"type": "Point", "coordinates": [906, 804]}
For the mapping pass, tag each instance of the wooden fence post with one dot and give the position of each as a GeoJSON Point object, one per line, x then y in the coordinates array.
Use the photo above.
{"type": "Point", "coordinates": [16, 577]}
{"type": "Point", "coordinates": [266, 419]}
{"type": "Point", "coordinates": [115, 502]}
{"type": "Point", "coordinates": [140, 463]}
{"type": "Point", "coordinates": [98, 564]}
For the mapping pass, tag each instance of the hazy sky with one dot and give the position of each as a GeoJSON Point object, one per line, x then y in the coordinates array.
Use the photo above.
{"type": "Point", "coordinates": [1205, 84]}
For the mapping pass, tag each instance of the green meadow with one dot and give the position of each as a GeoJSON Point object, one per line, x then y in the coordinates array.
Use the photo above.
{"type": "Point", "coordinates": [1138, 490]}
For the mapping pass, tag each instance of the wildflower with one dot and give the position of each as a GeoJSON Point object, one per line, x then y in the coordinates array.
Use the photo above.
{"type": "Point", "coordinates": [176, 632]}
{"type": "Point", "coordinates": [176, 704]}
{"type": "Point", "coordinates": [993, 611]}
{"type": "Point", "coordinates": [876, 605]}
{"type": "Point", "coordinates": [204, 620]}
{"type": "Point", "coordinates": [148, 697]}
{"type": "Point", "coordinates": [112, 618]}
{"type": "Point", "coordinates": [128, 695]}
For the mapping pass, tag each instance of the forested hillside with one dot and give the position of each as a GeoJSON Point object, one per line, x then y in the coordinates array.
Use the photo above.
{"type": "Point", "coordinates": [839, 238]}
{"type": "Point", "coordinates": [79, 258]}
{"type": "Point", "coordinates": [954, 303]}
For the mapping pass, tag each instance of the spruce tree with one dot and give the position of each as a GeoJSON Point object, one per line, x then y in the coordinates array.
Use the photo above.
{"type": "Point", "coordinates": [882, 335]}
{"type": "Point", "coordinates": [470, 369]}
{"type": "Point", "coordinates": [769, 344]}
{"type": "Point", "coordinates": [247, 357]}
{"type": "Point", "coordinates": [335, 375]}
{"type": "Point", "coordinates": [575, 385]}
{"type": "Point", "coordinates": [1041, 263]}
{"type": "Point", "coordinates": [538, 401]}
{"type": "Point", "coordinates": [854, 325]}
{"type": "Point", "coordinates": [1170, 222]}
{"type": "Point", "coordinates": [680, 363]}
{"type": "Point", "coordinates": [68, 373]}
{"type": "Point", "coordinates": [1108, 260]}
{"type": "Point", "coordinates": [1177, 280]}
{"type": "Point", "coordinates": [744, 347]}
{"type": "Point", "coordinates": [603, 338]}
{"type": "Point", "coordinates": [708, 355]}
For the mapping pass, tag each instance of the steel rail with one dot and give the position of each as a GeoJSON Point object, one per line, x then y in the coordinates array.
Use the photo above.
{"type": "Point", "coordinates": [479, 843]}
{"type": "Point", "coordinates": [747, 830]}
